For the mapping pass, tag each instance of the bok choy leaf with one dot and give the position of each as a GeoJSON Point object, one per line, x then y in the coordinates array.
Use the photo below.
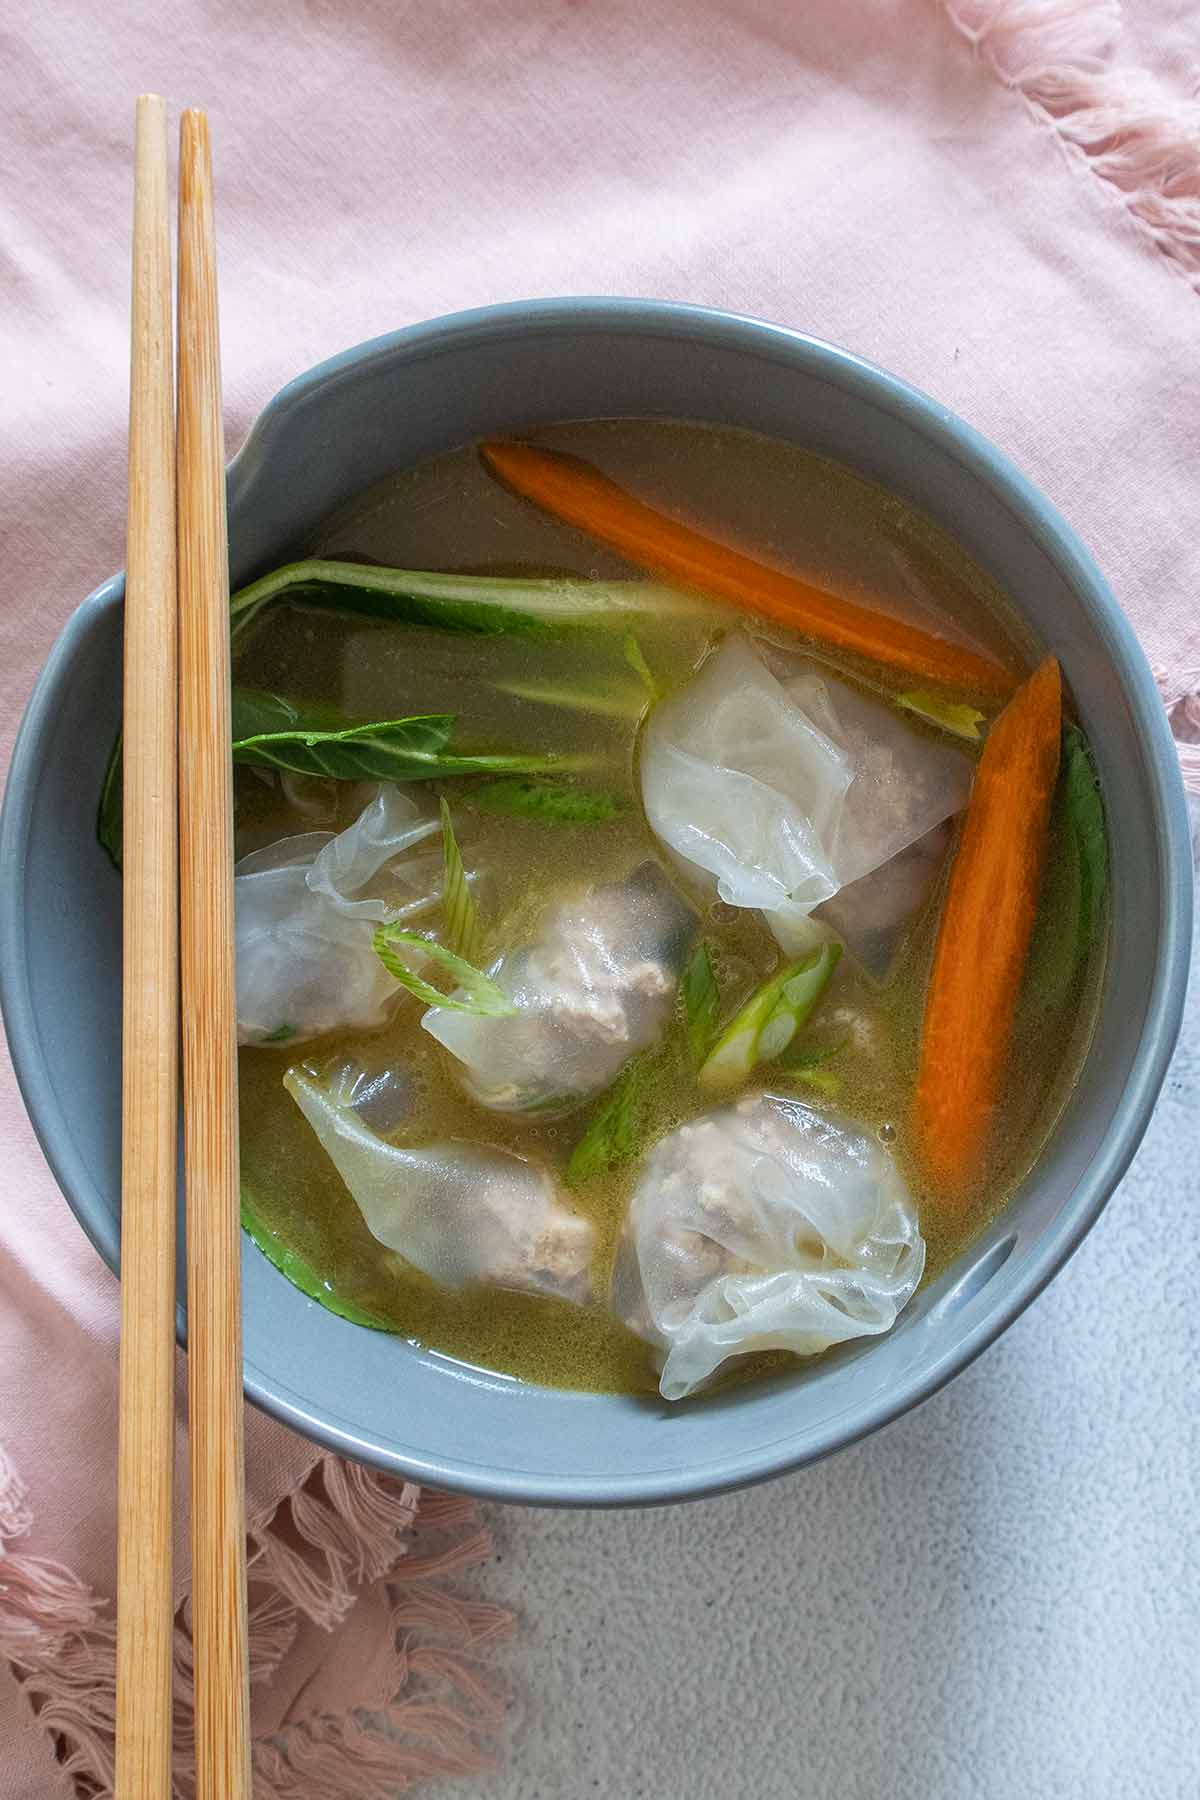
{"type": "Point", "coordinates": [110, 813]}
{"type": "Point", "coordinates": [608, 703]}
{"type": "Point", "coordinates": [412, 749]}
{"type": "Point", "coordinates": [386, 750]}
{"type": "Point", "coordinates": [471, 603]}
{"type": "Point", "coordinates": [273, 732]}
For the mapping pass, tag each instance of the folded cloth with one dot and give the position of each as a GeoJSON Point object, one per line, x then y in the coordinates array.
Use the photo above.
{"type": "Point", "coordinates": [998, 199]}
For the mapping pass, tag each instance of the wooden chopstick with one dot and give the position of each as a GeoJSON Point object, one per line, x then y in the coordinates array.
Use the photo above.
{"type": "Point", "coordinates": [145, 1584]}
{"type": "Point", "coordinates": [209, 1007]}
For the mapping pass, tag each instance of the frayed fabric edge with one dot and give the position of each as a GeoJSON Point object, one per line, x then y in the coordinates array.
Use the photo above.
{"type": "Point", "coordinates": [346, 1527]}
{"type": "Point", "coordinates": [1061, 55]}
{"type": "Point", "coordinates": [1181, 697]}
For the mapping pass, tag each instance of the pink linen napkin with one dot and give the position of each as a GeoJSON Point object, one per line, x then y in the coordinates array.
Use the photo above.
{"type": "Point", "coordinates": [998, 199]}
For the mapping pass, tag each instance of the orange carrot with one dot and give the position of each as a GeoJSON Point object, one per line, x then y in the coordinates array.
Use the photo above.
{"type": "Point", "coordinates": [983, 938]}
{"type": "Point", "coordinates": [572, 490]}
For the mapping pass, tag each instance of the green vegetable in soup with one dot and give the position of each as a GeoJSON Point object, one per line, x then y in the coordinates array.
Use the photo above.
{"type": "Point", "coordinates": [700, 998]}
{"type": "Point", "coordinates": [553, 802]}
{"type": "Point", "coordinates": [612, 703]}
{"type": "Point", "coordinates": [628, 1119]}
{"type": "Point", "coordinates": [413, 749]}
{"type": "Point", "coordinates": [808, 1066]}
{"type": "Point", "coordinates": [344, 663]}
{"type": "Point", "coordinates": [273, 732]}
{"type": "Point", "coordinates": [471, 603]}
{"type": "Point", "coordinates": [1072, 905]}
{"type": "Point", "coordinates": [768, 1022]}
{"type": "Point", "coordinates": [958, 719]}
{"type": "Point", "coordinates": [300, 1272]}
{"type": "Point", "coordinates": [476, 604]}
{"type": "Point", "coordinates": [463, 931]}
{"type": "Point", "coordinates": [384, 750]}
{"type": "Point", "coordinates": [479, 993]}
{"type": "Point", "coordinates": [824, 1081]}
{"type": "Point", "coordinates": [619, 1128]}
{"type": "Point", "coordinates": [1084, 819]}
{"type": "Point", "coordinates": [253, 712]}
{"type": "Point", "coordinates": [110, 813]}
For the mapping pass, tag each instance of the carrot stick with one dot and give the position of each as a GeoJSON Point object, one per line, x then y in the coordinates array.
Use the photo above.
{"type": "Point", "coordinates": [984, 935]}
{"type": "Point", "coordinates": [575, 492]}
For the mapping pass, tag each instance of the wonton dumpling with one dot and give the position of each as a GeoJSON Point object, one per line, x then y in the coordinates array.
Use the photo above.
{"type": "Point", "coordinates": [458, 1211]}
{"type": "Point", "coordinates": [763, 1226]}
{"type": "Point", "coordinates": [595, 987]}
{"type": "Point", "coordinates": [786, 785]}
{"type": "Point", "coordinates": [307, 908]}
{"type": "Point", "coordinates": [868, 913]}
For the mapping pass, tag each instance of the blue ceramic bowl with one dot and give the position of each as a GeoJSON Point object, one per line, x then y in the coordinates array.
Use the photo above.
{"type": "Point", "coordinates": [488, 373]}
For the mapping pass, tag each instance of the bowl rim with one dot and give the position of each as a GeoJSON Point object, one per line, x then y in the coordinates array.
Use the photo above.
{"type": "Point", "coordinates": [1039, 518]}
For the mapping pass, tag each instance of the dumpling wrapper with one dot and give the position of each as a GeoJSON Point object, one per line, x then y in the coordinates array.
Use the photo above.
{"type": "Point", "coordinates": [307, 908]}
{"type": "Point", "coordinates": [785, 786]}
{"type": "Point", "coordinates": [596, 986]}
{"type": "Point", "coordinates": [869, 913]}
{"type": "Point", "coordinates": [458, 1211]}
{"type": "Point", "coordinates": [766, 1225]}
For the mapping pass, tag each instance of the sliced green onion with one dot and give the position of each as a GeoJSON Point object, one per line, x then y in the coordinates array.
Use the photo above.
{"type": "Point", "coordinates": [413, 749]}
{"type": "Point", "coordinates": [768, 1022]}
{"type": "Point", "coordinates": [641, 668]}
{"type": "Point", "coordinates": [701, 998]}
{"type": "Point", "coordinates": [552, 802]}
{"type": "Point", "coordinates": [463, 932]}
{"type": "Point", "coordinates": [960, 720]}
{"type": "Point", "coordinates": [617, 1129]}
{"type": "Point", "coordinates": [479, 992]}
{"type": "Point", "coordinates": [824, 1080]}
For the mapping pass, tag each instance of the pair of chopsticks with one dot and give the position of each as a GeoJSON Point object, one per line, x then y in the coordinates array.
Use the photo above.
{"type": "Point", "coordinates": [178, 941]}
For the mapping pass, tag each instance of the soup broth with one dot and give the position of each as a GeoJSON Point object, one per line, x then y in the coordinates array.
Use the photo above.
{"type": "Point", "coordinates": [584, 697]}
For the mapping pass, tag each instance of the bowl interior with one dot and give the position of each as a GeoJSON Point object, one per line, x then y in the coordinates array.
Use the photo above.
{"type": "Point", "coordinates": [424, 391]}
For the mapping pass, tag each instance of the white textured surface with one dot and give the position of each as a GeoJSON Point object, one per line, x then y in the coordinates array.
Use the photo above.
{"type": "Point", "coordinates": [998, 1598]}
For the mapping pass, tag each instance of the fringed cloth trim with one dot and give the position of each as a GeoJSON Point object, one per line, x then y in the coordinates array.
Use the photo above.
{"type": "Point", "coordinates": [1134, 135]}
{"type": "Point", "coordinates": [1122, 124]}
{"type": "Point", "coordinates": [345, 1528]}
{"type": "Point", "coordinates": [1181, 697]}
